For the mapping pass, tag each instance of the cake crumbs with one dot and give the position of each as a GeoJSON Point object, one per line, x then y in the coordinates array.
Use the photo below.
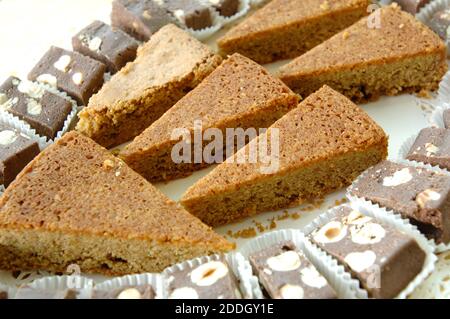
{"type": "Point", "coordinates": [249, 232]}
{"type": "Point", "coordinates": [345, 35]}
{"type": "Point", "coordinates": [108, 164]}
{"type": "Point", "coordinates": [273, 224]}
{"type": "Point", "coordinates": [424, 94]}
{"type": "Point", "coordinates": [325, 5]}
{"type": "Point", "coordinates": [338, 202]}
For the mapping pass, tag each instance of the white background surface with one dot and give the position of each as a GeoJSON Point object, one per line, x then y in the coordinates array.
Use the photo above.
{"type": "Point", "coordinates": [29, 27]}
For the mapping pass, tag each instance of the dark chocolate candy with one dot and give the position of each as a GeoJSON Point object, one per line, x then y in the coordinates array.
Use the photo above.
{"type": "Point", "coordinates": [193, 13]}
{"type": "Point", "coordinates": [419, 194]}
{"type": "Point", "coordinates": [128, 292]}
{"type": "Point", "coordinates": [432, 146]}
{"type": "Point", "coordinates": [285, 273]}
{"type": "Point", "coordinates": [412, 6]}
{"type": "Point", "coordinates": [72, 72]}
{"type": "Point", "coordinates": [382, 258]}
{"type": "Point", "coordinates": [140, 18]}
{"type": "Point", "coordinates": [16, 151]}
{"type": "Point", "coordinates": [111, 46]}
{"type": "Point", "coordinates": [226, 8]}
{"type": "Point", "coordinates": [211, 280]}
{"type": "Point", "coordinates": [44, 111]}
{"type": "Point", "coordinates": [446, 118]}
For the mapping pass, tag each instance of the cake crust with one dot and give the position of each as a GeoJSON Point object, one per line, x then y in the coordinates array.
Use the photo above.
{"type": "Point", "coordinates": [76, 203]}
{"type": "Point", "coordinates": [167, 67]}
{"type": "Point", "coordinates": [402, 56]}
{"type": "Point", "coordinates": [325, 143]}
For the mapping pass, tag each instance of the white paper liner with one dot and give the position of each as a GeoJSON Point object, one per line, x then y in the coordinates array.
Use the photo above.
{"type": "Point", "coordinates": [207, 32]}
{"type": "Point", "coordinates": [59, 283]}
{"type": "Point", "coordinates": [66, 126]}
{"type": "Point", "coordinates": [345, 286]}
{"type": "Point", "coordinates": [438, 247]}
{"type": "Point", "coordinates": [427, 12]}
{"type": "Point", "coordinates": [437, 285]}
{"type": "Point", "coordinates": [244, 7]}
{"type": "Point", "coordinates": [241, 268]}
{"type": "Point", "coordinates": [443, 95]}
{"type": "Point", "coordinates": [391, 218]}
{"type": "Point", "coordinates": [437, 116]}
{"type": "Point", "coordinates": [154, 280]}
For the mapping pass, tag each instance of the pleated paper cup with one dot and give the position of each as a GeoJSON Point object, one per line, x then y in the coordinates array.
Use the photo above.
{"type": "Point", "coordinates": [156, 281]}
{"type": "Point", "coordinates": [437, 285]}
{"type": "Point", "coordinates": [390, 218]}
{"type": "Point", "coordinates": [437, 116]}
{"type": "Point", "coordinates": [241, 268]}
{"type": "Point", "coordinates": [244, 7]}
{"type": "Point", "coordinates": [341, 281]}
{"type": "Point", "coordinates": [54, 284]}
{"type": "Point", "coordinates": [205, 33]}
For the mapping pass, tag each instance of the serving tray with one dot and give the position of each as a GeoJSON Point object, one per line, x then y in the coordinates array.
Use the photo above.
{"type": "Point", "coordinates": [30, 27]}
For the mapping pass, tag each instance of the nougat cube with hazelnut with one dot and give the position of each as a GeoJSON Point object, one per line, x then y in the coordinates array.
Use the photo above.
{"type": "Point", "coordinates": [383, 259]}
{"type": "Point", "coordinates": [284, 272]}
{"type": "Point", "coordinates": [106, 44]}
{"type": "Point", "coordinates": [45, 111]}
{"type": "Point", "coordinates": [212, 279]}
{"type": "Point", "coordinates": [77, 75]}
{"type": "Point", "coordinates": [422, 195]}
{"type": "Point", "coordinates": [432, 146]}
{"type": "Point", "coordinates": [125, 292]}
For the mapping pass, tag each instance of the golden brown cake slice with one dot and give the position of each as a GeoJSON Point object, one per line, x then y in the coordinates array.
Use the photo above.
{"type": "Point", "coordinates": [364, 62]}
{"type": "Point", "coordinates": [167, 67]}
{"type": "Point", "coordinates": [324, 144]}
{"type": "Point", "coordinates": [287, 28]}
{"type": "Point", "coordinates": [238, 94]}
{"type": "Point", "coordinates": [78, 204]}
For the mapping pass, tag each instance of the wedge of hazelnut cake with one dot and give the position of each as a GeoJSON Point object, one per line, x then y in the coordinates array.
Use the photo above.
{"type": "Point", "coordinates": [238, 94]}
{"type": "Point", "coordinates": [287, 28]}
{"type": "Point", "coordinates": [77, 204]}
{"type": "Point", "coordinates": [166, 68]}
{"type": "Point", "coordinates": [322, 145]}
{"type": "Point", "coordinates": [387, 53]}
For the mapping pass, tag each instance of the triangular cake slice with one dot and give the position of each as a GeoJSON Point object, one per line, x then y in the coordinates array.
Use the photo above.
{"type": "Point", "coordinates": [387, 53]}
{"type": "Point", "coordinates": [238, 94]}
{"type": "Point", "coordinates": [287, 28]}
{"type": "Point", "coordinates": [323, 145]}
{"type": "Point", "coordinates": [167, 67]}
{"type": "Point", "coordinates": [77, 204]}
